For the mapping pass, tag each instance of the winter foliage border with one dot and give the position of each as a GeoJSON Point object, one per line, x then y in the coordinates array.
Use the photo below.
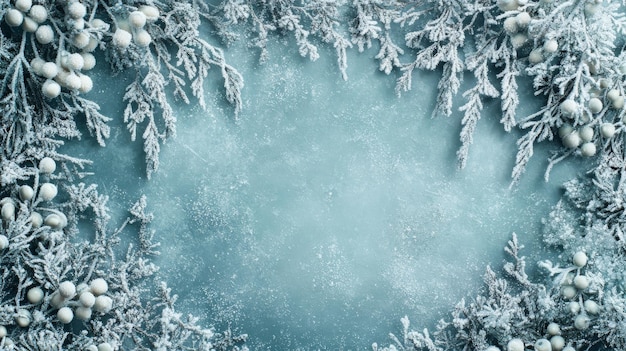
{"type": "Point", "coordinates": [62, 288]}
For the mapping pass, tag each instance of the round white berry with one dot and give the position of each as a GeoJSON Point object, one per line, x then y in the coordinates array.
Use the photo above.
{"type": "Point", "coordinates": [568, 107]}
{"type": "Point", "coordinates": [51, 89]}
{"type": "Point", "coordinates": [510, 25]}
{"type": "Point", "coordinates": [23, 318]}
{"type": "Point", "coordinates": [515, 345]}
{"type": "Point", "coordinates": [23, 5]}
{"type": "Point", "coordinates": [75, 61]}
{"type": "Point", "coordinates": [35, 295]}
{"type": "Point", "coordinates": [44, 34]}
{"type": "Point", "coordinates": [65, 315]}
{"type": "Point", "coordinates": [47, 164]}
{"type": "Point", "coordinates": [588, 149]}
{"type": "Point", "coordinates": [4, 242]}
{"type": "Point", "coordinates": [612, 94]}
{"type": "Point", "coordinates": [604, 83]}
{"type": "Point", "coordinates": [67, 289]}
{"type": "Point", "coordinates": [618, 103]}
{"type": "Point", "coordinates": [72, 81]}
{"type": "Point", "coordinates": [47, 191]}
{"type": "Point", "coordinates": [568, 292]}
{"type": "Point", "coordinates": [105, 346]}
{"type": "Point", "coordinates": [81, 40]}
{"type": "Point", "coordinates": [565, 129]}
{"type": "Point", "coordinates": [581, 322]}
{"type": "Point", "coordinates": [553, 329]}
{"type": "Point", "coordinates": [79, 24]}
{"type": "Point", "coordinates": [29, 25]}
{"type": "Point", "coordinates": [53, 221]}
{"type": "Point", "coordinates": [535, 56]}
{"type": "Point", "coordinates": [543, 345]}
{"type": "Point", "coordinates": [76, 10]}
{"type": "Point", "coordinates": [6, 200]}
{"type": "Point", "coordinates": [551, 46]}
{"type": "Point", "coordinates": [137, 19]}
{"type": "Point", "coordinates": [586, 133]}
{"type": "Point", "coordinates": [3, 331]}
{"type": "Point", "coordinates": [13, 17]}
{"type": "Point", "coordinates": [580, 258]}
{"type": "Point", "coordinates": [86, 84]}
{"type": "Point", "coordinates": [523, 19]}
{"type": "Point", "coordinates": [36, 65]}
{"type": "Point", "coordinates": [151, 12]}
{"type": "Point", "coordinates": [557, 342]}
{"type": "Point", "coordinates": [89, 61]}
{"type": "Point", "coordinates": [591, 307]}
{"type": "Point", "coordinates": [122, 38]}
{"type": "Point", "coordinates": [98, 286]}
{"type": "Point", "coordinates": [26, 192]}
{"type": "Point", "coordinates": [99, 24]}
{"type": "Point", "coordinates": [83, 313]}
{"type": "Point", "coordinates": [518, 40]}
{"type": "Point", "coordinates": [82, 287]}
{"type": "Point", "coordinates": [92, 45]}
{"type": "Point", "coordinates": [49, 70]}
{"type": "Point", "coordinates": [35, 219]}
{"type": "Point", "coordinates": [607, 130]}
{"type": "Point", "coordinates": [581, 282]}
{"type": "Point", "coordinates": [103, 304]}
{"type": "Point", "coordinates": [38, 13]}
{"type": "Point", "coordinates": [142, 38]}
{"type": "Point", "coordinates": [87, 299]}
{"type": "Point", "coordinates": [595, 105]}
{"type": "Point", "coordinates": [8, 212]}
{"type": "Point", "coordinates": [57, 301]}
{"type": "Point", "coordinates": [571, 140]}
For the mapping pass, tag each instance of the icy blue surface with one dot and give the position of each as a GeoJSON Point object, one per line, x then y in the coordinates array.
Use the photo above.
{"type": "Point", "coordinates": [330, 209]}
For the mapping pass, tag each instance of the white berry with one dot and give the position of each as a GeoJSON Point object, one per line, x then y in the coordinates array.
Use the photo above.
{"type": "Point", "coordinates": [67, 289]}
{"type": "Point", "coordinates": [105, 346]}
{"type": "Point", "coordinates": [23, 318]}
{"type": "Point", "coordinates": [76, 10]}
{"type": "Point", "coordinates": [518, 40]}
{"type": "Point", "coordinates": [103, 304]}
{"type": "Point", "coordinates": [8, 212]}
{"type": "Point", "coordinates": [72, 81]}
{"type": "Point", "coordinates": [83, 313]}
{"type": "Point", "coordinates": [557, 342]}
{"type": "Point", "coordinates": [35, 295]}
{"type": "Point", "coordinates": [580, 258]}
{"type": "Point", "coordinates": [571, 140]}
{"type": "Point", "coordinates": [565, 130]}
{"type": "Point", "coordinates": [607, 130]}
{"type": "Point", "coordinates": [543, 345]}
{"type": "Point", "coordinates": [65, 315]}
{"type": "Point", "coordinates": [49, 70]}
{"type": "Point", "coordinates": [618, 103]}
{"type": "Point", "coordinates": [551, 46]}
{"type": "Point", "coordinates": [588, 149]}
{"type": "Point", "coordinates": [47, 191]}
{"type": "Point", "coordinates": [151, 12]}
{"type": "Point", "coordinates": [568, 292]}
{"type": "Point", "coordinates": [13, 17]}
{"type": "Point", "coordinates": [81, 40]}
{"type": "Point", "coordinates": [535, 56]}
{"type": "Point", "coordinates": [3, 331]}
{"type": "Point", "coordinates": [35, 219]}
{"type": "Point", "coordinates": [595, 105]}
{"type": "Point", "coordinates": [98, 286]}
{"type": "Point", "coordinates": [47, 165]}
{"type": "Point", "coordinates": [36, 65]}
{"type": "Point", "coordinates": [569, 107]}
{"type": "Point", "coordinates": [137, 19]}
{"type": "Point", "coordinates": [29, 25]}
{"type": "Point", "coordinates": [89, 61]}
{"type": "Point", "coordinates": [38, 13]}
{"type": "Point", "coordinates": [92, 45]}
{"type": "Point", "coordinates": [591, 307]}
{"type": "Point", "coordinates": [86, 84]}
{"type": "Point", "coordinates": [44, 34]}
{"type": "Point", "coordinates": [122, 38]}
{"type": "Point", "coordinates": [51, 89]}
{"type": "Point", "coordinates": [26, 192]}
{"type": "Point", "coordinates": [515, 345]}
{"type": "Point", "coordinates": [23, 5]}
{"type": "Point", "coordinates": [581, 322]}
{"type": "Point", "coordinates": [586, 133]}
{"type": "Point", "coordinates": [87, 299]}
{"type": "Point", "coordinates": [553, 329]}
{"type": "Point", "coordinates": [510, 25]}
{"type": "Point", "coordinates": [523, 19]}
{"type": "Point", "coordinates": [4, 242]}
{"type": "Point", "coordinates": [142, 38]}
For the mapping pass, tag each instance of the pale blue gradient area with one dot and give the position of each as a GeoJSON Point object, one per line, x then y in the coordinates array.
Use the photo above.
{"type": "Point", "coordinates": [329, 209]}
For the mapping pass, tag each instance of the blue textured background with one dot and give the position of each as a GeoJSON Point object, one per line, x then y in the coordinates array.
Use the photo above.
{"type": "Point", "coordinates": [330, 209]}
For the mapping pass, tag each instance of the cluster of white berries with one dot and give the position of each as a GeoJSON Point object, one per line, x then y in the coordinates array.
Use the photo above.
{"type": "Point", "coordinates": [28, 16]}
{"type": "Point", "coordinates": [88, 298]}
{"type": "Point", "coordinates": [133, 29]}
{"type": "Point", "coordinates": [571, 286]}
{"type": "Point", "coordinates": [516, 26]}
